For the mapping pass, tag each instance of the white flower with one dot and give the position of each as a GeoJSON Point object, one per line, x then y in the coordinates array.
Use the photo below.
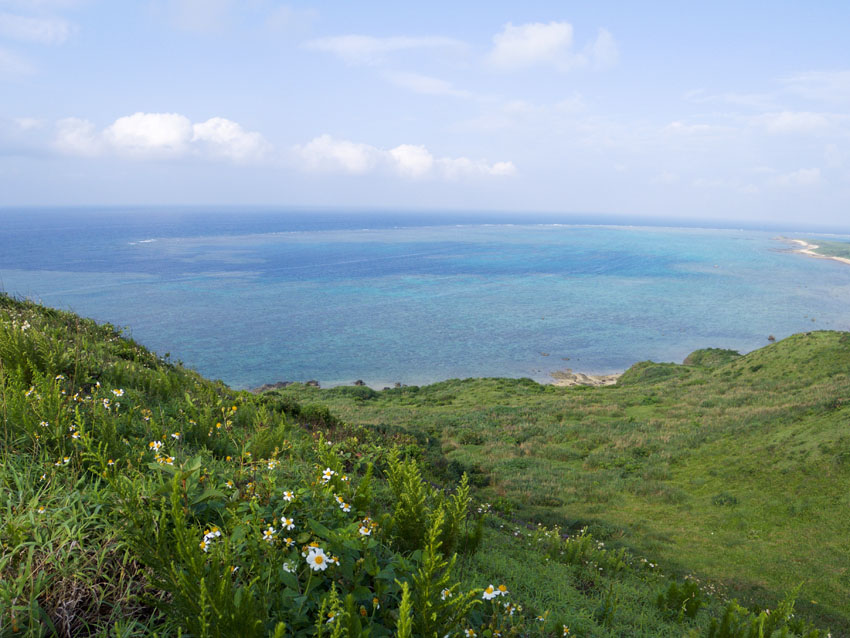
{"type": "Point", "coordinates": [287, 523]}
{"type": "Point", "coordinates": [272, 464]}
{"type": "Point", "coordinates": [153, 445]}
{"type": "Point", "coordinates": [445, 594]}
{"type": "Point", "coordinates": [365, 531]}
{"type": "Point", "coordinates": [288, 496]}
{"type": "Point", "coordinates": [345, 507]}
{"type": "Point", "coordinates": [175, 436]}
{"type": "Point", "coordinates": [316, 559]}
{"type": "Point", "coordinates": [502, 590]}
{"type": "Point", "coordinates": [268, 534]}
{"type": "Point", "coordinates": [289, 568]}
{"type": "Point", "coordinates": [118, 392]}
{"type": "Point", "coordinates": [327, 474]}
{"type": "Point", "coordinates": [489, 593]}
{"type": "Point", "coordinates": [44, 424]}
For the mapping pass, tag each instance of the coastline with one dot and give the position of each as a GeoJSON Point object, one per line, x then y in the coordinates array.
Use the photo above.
{"type": "Point", "coordinates": [809, 249]}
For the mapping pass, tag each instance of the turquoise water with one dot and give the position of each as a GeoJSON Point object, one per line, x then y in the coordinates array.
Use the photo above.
{"type": "Point", "coordinates": [256, 299]}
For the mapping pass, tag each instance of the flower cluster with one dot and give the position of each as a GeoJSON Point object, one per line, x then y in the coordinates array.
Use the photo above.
{"type": "Point", "coordinates": [492, 592]}
{"type": "Point", "coordinates": [209, 536]}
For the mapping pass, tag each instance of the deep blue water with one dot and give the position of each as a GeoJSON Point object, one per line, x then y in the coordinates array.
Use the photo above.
{"type": "Point", "coordinates": [259, 296]}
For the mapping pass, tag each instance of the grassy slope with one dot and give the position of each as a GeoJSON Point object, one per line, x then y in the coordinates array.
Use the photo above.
{"type": "Point", "coordinates": [737, 470]}
{"type": "Point", "coordinates": [70, 563]}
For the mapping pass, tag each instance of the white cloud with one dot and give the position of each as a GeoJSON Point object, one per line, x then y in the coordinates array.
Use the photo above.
{"type": "Point", "coordinates": [364, 49]}
{"type": "Point", "coordinates": [75, 136]}
{"type": "Point", "coordinates": [150, 133]}
{"type": "Point", "coordinates": [802, 177]}
{"type": "Point", "coordinates": [157, 135]}
{"type": "Point", "coordinates": [328, 154]}
{"type": "Point", "coordinates": [425, 84]}
{"type": "Point", "coordinates": [792, 122]}
{"type": "Point", "coordinates": [43, 30]}
{"type": "Point", "coordinates": [325, 153]}
{"type": "Point", "coordinates": [412, 161]}
{"type": "Point", "coordinates": [225, 138]}
{"type": "Point", "coordinates": [536, 43]}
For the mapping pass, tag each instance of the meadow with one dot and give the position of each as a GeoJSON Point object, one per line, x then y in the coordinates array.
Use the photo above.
{"type": "Point", "coordinates": [139, 498]}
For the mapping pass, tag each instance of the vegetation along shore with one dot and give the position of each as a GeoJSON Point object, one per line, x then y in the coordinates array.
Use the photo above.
{"type": "Point", "coordinates": [138, 498]}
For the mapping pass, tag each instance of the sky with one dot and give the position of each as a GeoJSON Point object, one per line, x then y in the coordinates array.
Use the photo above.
{"type": "Point", "coordinates": [722, 110]}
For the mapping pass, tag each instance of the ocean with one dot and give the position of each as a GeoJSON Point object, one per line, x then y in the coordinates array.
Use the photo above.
{"type": "Point", "coordinates": [260, 295]}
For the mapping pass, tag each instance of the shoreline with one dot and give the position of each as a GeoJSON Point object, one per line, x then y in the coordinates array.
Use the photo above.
{"type": "Point", "coordinates": [809, 249]}
{"type": "Point", "coordinates": [559, 378]}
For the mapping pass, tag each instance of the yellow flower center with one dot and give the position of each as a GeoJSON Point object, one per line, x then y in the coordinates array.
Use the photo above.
{"type": "Point", "coordinates": [319, 560]}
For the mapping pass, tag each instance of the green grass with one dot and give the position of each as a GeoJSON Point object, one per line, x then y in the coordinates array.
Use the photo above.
{"type": "Point", "coordinates": [833, 248]}
{"type": "Point", "coordinates": [735, 469]}
{"type": "Point", "coordinates": [137, 497]}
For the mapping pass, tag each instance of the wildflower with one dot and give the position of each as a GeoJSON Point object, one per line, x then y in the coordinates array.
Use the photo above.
{"type": "Point", "coordinates": [338, 498]}
{"type": "Point", "coordinates": [287, 523]}
{"type": "Point", "coordinates": [469, 633]}
{"type": "Point", "coordinates": [345, 507]}
{"type": "Point", "coordinates": [445, 594]}
{"type": "Point", "coordinates": [365, 531]}
{"type": "Point", "coordinates": [44, 424]}
{"type": "Point", "coordinates": [288, 496]}
{"type": "Point", "coordinates": [218, 426]}
{"type": "Point", "coordinates": [106, 403]}
{"type": "Point", "coordinates": [176, 436]}
{"type": "Point", "coordinates": [334, 560]}
{"type": "Point", "coordinates": [165, 460]}
{"type": "Point", "coordinates": [63, 461]}
{"type": "Point", "coordinates": [317, 560]}
{"type": "Point", "coordinates": [489, 593]}
{"type": "Point", "coordinates": [541, 619]}
{"type": "Point", "coordinates": [97, 384]}
{"type": "Point", "coordinates": [327, 474]}
{"type": "Point", "coordinates": [72, 427]}
{"type": "Point", "coordinates": [75, 435]}
{"type": "Point", "coordinates": [510, 609]}
{"type": "Point", "coordinates": [60, 377]}
{"type": "Point", "coordinates": [566, 630]}
{"type": "Point", "coordinates": [331, 617]}
{"type": "Point", "coordinates": [42, 509]}
{"type": "Point", "coordinates": [118, 392]}
{"type": "Point", "coordinates": [375, 603]}
{"type": "Point", "coordinates": [25, 326]}
{"type": "Point", "coordinates": [44, 477]}
{"type": "Point", "coordinates": [272, 464]}
{"type": "Point", "coordinates": [228, 458]}
{"type": "Point", "coordinates": [229, 484]}
{"type": "Point", "coordinates": [268, 534]}
{"type": "Point", "coordinates": [289, 568]}
{"type": "Point", "coordinates": [234, 569]}
{"type": "Point", "coordinates": [288, 541]}
{"type": "Point", "coordinates": [205, 545]}
{"type": "Point", "coordinates": [345, 478]}
{"type": "Point", "coordinates": [30, 391]}
{"type": "Point", "coordinates": [502, 590]}
{"type": "Point", "coordinates": [110, 463]}
{"type": "Point", "coordinates": [155, 445]}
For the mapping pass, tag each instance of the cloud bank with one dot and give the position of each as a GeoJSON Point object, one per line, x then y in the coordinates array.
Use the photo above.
{"type": "Point", "coordinates": [550, 44]}
{"type": "Point", "coordinates": [161, 135]}
{"type": "Point", "coordinates": [328, 154]}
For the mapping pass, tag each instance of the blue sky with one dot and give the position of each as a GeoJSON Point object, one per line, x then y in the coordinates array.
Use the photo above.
{"type": "Point", "coordinates": [723, 110]}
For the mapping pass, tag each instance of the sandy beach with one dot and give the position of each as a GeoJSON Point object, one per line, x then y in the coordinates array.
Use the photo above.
{"type": "Point", "coordinates": [567, 378]}
{"type": "Point", "coordinates": [809, 249]}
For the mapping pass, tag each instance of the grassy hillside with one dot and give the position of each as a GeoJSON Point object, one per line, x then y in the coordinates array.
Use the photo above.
{"type": "Point", "coordinates": [735, 469]}
{"type": "Point", "coordinates": [140, 499]}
